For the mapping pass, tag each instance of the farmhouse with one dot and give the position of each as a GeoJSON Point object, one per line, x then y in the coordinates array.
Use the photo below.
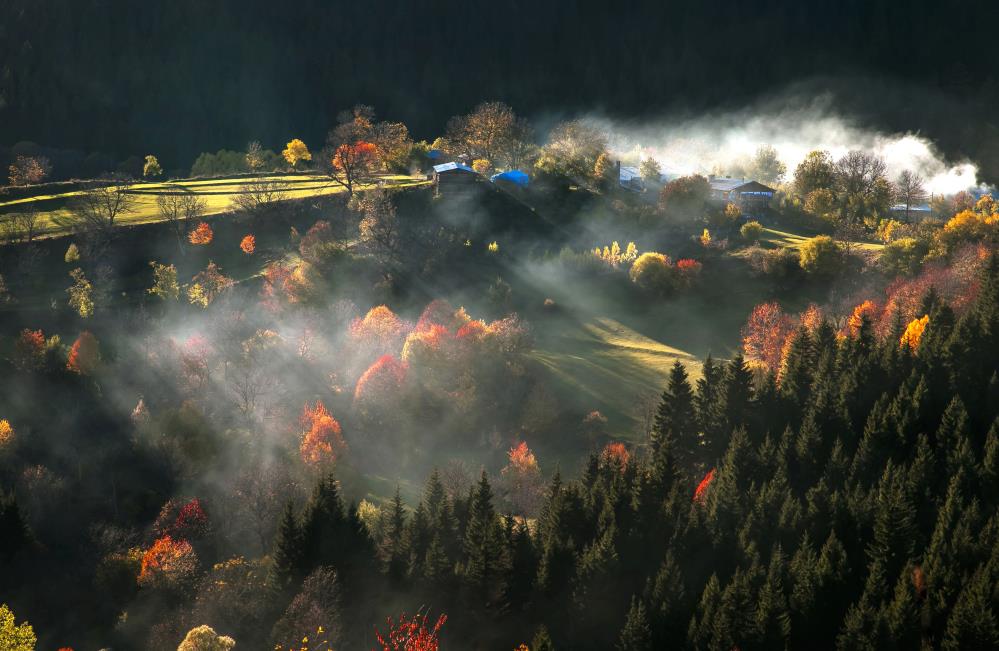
{"type": "Point", "coordinates": [453, 176]}
{"type": "Point", "coordinates": [752, 197]}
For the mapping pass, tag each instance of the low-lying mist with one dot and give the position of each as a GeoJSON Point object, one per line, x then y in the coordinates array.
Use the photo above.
{"type": "Point", "coordinates": [718, 142]}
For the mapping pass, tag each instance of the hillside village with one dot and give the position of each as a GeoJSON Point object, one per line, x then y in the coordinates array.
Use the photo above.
{"type": "Point", "coordinates": [502, 389]}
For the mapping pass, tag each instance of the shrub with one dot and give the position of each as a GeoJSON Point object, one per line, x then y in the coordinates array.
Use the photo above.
{"type": "Point", "coordinates": [751, 231]}
{"type": "Point", "coordinates": [903, 256]}
{"type": "Point", "coordinates": [654, 272]}
{"type": "Point", "coordinates": [821, 256]}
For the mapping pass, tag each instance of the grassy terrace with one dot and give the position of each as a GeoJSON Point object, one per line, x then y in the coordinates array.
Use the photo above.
{"type": "Point", "coordinates": [774, 238]}
{"type": "Point", "coordinates": [217, 194]}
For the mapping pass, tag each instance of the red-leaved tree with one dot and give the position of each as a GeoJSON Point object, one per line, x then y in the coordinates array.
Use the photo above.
{"type": "Point", "coordinates": [410, 634]}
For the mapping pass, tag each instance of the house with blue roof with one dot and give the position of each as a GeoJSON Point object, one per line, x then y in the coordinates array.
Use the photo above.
{"type": "Point", "coordinates": [518, 178]}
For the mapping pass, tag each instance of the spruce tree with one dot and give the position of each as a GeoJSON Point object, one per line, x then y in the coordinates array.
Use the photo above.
{"type": "Point", "coordinates": [636, 634]}
{"type": "Point", "coordinates": [973, 623]}
{"type": "Point", "coordinates": [542, 641]}
{"type": "Point", "coordinates": [483, 543]}
{"type": "Point", "coordinates": [14, 533]}
{"type": "Point", "coordinates": [289, 550]}
{"type": "Point", "coordinates": [394, 551]}
{"type": "Point", "coordinates": [674, 437]}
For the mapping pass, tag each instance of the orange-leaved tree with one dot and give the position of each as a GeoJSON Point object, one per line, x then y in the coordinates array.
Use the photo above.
{"type": "Point", "coordinates": [85, 354]}
{"type": "Point", "coordinates": [764, 334]}
{"type": "Point", "coordinates": [914, 333]}
{"type": "Point", "coordinates": [615, 455]}
{"type": "Point", "coordinates": [29, 350]}
{"type": "Point", "coordinates": [352, 163]}
{"type": "Point", "coordinates": [168, 563]}
{"type": "Point", "coordinates": [322, 438]}
{"type": "Point", "coordinates": [201, 235]}
{"type": "Point", "coordinates": [248, 244]}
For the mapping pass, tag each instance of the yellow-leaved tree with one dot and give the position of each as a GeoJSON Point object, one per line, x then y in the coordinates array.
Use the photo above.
{"type": "Point", "coordinates": [296, 152]}
{"type": "Point", "coordinates": [914, 333]}
{"type": "Point", "coordinates": [13, 636]}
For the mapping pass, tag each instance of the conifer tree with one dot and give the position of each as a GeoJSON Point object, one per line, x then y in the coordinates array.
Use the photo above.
{"type": "Point", "coordinates": [542, 641]}
{"type": "Point", "coordinates": [973, 623]}
{"type": "Point", "coordinates": [636, 634]}
{"type": "Point", "coordinates": [674, 437]}
{"type": "Point", "coordinates": [483, 543]}
{"type": "Point", "coordinates": [394, 548]}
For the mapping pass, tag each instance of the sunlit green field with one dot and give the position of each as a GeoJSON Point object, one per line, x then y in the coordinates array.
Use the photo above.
{"type": "Point", "coordinates": [217, 194]}
{"type": "Point", "coordinates": [610, 367]}
{"type": "Point", "coordinates": [777, 238]}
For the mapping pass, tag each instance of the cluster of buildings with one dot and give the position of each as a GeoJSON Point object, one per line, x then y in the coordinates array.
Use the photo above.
{"type": "Point", "coordinates": [752, 197]}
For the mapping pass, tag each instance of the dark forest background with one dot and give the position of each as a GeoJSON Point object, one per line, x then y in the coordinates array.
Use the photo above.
{"type": "Point", "coordinates": [177, 78]}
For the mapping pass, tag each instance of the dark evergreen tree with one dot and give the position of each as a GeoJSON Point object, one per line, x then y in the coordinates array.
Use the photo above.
{"type": "Point", "coordinates": [636, 634]}
{"type": "Point", "coordinates": [483, 544]}
{"type": "Point", "coordinates": [675, 441]}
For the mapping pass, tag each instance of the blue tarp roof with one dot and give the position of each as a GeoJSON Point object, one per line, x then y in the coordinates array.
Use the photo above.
{"type": "Point", "coordinates": [517, 177]}
{"type": "Point", "coordinates": [447, 167]}
{"type": "Point", "coordinates": [434, 154]}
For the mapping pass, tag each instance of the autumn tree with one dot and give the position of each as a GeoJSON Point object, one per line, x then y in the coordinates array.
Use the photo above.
{"type": "Point", "coordinates": [179, 210]}
{"type": "Point", "coordinates": [491, 132]}
{"type": "Point", "coordinates": [296, 152]}
{"type": "Point", "coordinates": [29, 170]}
{"type": "Point", "coordinates": [684, 198]}
{"type": "Point", "coordinates": [765, 333]}
{"type": "Point", "coordinates": [168, 563]}
{"type": "Point", "coordinates": [322, 439]}
{"type": "Point", "coordinates": [248, 244]}
{"type": "Point", "coordinates": [165, 284]}
{"type": "Point", "coordinates": [911, 190]}
{"type": "Point", "coordinates": [351, 163]}
{"type": "Point", "coordinates": [411, 633]}
{"type": "Point", "coordinates": [821, 256]}
{"type": "Point", "coordinates": [521, 479]}
{"type": "Point", "coordinates": [207, 285]}
{"type": "Point", "coordinates": [572, 151]}
{"type": "Point", "coordinates": [29, 350]}
{"type": "Point", "coordinates": [81, 294]}
{"type": "Point", "coordinates": [379, 227]}
{"type": "Point", "coordinates": [151, 167]}
{"type": "Point", "coordinates": [204, 638]}
{"type": "Point", "coordinates": [653, 271]}
{"type": "Point", "coordinates": [14, 636]}
{"type": "Point", "coordinates": [201, 235]}
{"type": "Point", "coordinates": [84, 355]}
{"type": "Point", "coordinates": [255, 159]}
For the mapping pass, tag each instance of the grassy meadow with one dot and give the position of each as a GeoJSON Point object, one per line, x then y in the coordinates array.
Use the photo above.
{"type": "Point", "coordinates": [217, 193]}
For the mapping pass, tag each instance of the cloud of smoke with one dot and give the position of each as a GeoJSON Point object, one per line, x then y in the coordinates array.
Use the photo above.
{"type": "Point", "coordinates": [718, 142]}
